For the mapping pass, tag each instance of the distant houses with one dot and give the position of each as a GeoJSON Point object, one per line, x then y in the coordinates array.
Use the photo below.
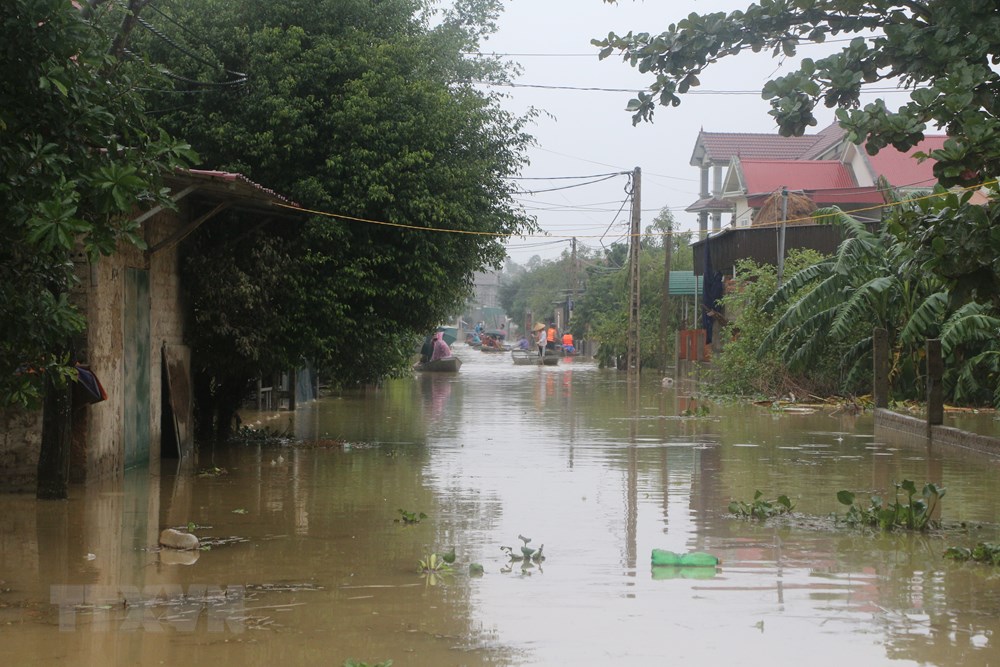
{"type": "Point", "coordinates": [752, 183]}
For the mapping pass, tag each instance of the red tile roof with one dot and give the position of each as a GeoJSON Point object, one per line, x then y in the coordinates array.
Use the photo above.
{"type": "Point", "coordinates": [763, 176]}
{"type": "Point", "coordinates": [826, 139]}
{"type": "Point", "coordinates": [902, 170]}
{"type": "Point", "coordinates": [722, 146]}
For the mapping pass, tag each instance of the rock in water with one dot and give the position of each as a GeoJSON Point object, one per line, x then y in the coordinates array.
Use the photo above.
{"type": "Point", "coordinates": [175, 539]}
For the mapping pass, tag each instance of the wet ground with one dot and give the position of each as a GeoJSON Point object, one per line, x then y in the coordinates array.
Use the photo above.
{"type": "Point", "coordinates": [312, 560]}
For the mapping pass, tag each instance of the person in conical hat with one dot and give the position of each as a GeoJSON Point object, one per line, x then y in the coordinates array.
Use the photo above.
{"type": "Point", "coordinates": [540, 338]}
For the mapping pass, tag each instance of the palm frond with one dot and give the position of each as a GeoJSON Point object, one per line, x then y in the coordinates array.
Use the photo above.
{"type": "Point", "coordinates": [973, 328]}
{"type": "Point", "coordinates": [796, 282]}
{"type": "Point", "coordinates": [851, 226]}
{"type": "Point", "coordinates": [808, 341]}
{"type": "Point", "coordinates": [926, 320]}
{"type": "Point", "coordinates": [859, 357]}
{"type": "Point", "coordinates": [854, 254]}
{"type": "Point", "coordinates": [861, 301]}
{"type": "Point", "coordinates": [983, 366]}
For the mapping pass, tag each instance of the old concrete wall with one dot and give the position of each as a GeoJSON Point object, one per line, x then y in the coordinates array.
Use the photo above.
{"type": "Point", "coordinates": [904, 429]}
{"type": "Point", "coordinates": [20, 443]}
{"type": "Point", "coordinates": [105, 428]}
{"type": "Point", "coordinates": [166, 326]}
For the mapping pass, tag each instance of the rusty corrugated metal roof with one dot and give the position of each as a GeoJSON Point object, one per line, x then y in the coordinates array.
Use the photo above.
{"type": "Point", "coordinates": [232, 182]}
{"type": "Point", "coordinates": [710, 204]}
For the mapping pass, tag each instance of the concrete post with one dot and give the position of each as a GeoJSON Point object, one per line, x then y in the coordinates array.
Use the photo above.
{"type": "Point", "coordinates": [880, 356]}
{"type": "Point", "coordinates": [935, 394]}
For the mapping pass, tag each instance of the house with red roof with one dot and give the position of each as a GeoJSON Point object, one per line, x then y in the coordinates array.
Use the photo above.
{"type": "Point", "coordinates": [749, 179]}
{"type": "Point", "coordinates": [747, 169]}
{"type": "Point", "coordinates": [134, 343]}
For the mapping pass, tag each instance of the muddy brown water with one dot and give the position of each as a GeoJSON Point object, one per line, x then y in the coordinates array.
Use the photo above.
{"type": "Point", "coordinates": [309, 564]}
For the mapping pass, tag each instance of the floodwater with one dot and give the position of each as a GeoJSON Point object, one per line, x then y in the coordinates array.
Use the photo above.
{"type": "Point", "coordinates": [310, 562]}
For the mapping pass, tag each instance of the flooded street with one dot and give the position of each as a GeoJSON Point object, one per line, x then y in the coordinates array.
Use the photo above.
{"type": "Point", "coordinates": [312, 562]}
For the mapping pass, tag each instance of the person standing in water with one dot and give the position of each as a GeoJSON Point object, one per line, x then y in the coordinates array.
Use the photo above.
{"type": "Point", "coordinates": [540, 339]}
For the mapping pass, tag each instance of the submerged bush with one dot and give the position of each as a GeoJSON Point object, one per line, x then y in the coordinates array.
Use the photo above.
{"type": "Point", "coordinates": [916, 513]}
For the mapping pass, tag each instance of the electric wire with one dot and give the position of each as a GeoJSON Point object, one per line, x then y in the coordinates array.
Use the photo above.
{"type": "Point", "coordinates": [472, 232]}
{"type": "Point", "coordinates": [702, 91]}
{"type": "Point", "coordinates": [575, 185]}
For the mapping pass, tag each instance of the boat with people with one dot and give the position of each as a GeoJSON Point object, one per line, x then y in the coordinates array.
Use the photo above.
{"type": "Point", "coordinates": [445, 365]}
{"type": "Point", "coordinates": [531, 358]}
{"type": "Point", "coordinates": [435, 353]}
{"type": "Point", "coordinates": [491, 342]}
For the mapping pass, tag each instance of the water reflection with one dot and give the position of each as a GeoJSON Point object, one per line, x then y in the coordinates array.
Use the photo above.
{"type": "Point", "coordinates": [312, 563]}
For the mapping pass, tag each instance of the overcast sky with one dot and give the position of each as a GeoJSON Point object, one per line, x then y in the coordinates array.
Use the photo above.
{"type": "Point", "coordinates": [589, 132]}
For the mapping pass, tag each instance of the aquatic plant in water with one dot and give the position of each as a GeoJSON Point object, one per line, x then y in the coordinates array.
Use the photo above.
{"type": "Point", "coordinates": [409, 518]}
{"type": "Point", "coordinates": [916, 513]}
{"type": "Point", "coordinates": [528, 554]}
{"type": "Point", "coordinates": [355, 663]}
{"type": "Point", "coordinates": [432, 563]}
{"type": "Point", "coordinates": [761, 509]}
{"type": "Point", "coordinates": [984, 552]}
{"type": "Point", "coordinates": [433, 569]}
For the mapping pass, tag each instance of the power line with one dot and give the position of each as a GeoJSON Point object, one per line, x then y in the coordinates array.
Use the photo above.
{"type": "Point", "coordinates": [642, 89]}
{"type": "Point", "coordinates": [596, 53]}
{"type": "Point", "coordinates": [471, 232]}
{"type": "Point", "coordinates": [559, 178]}
{"type": "Point", "coordinates": [575, 185]}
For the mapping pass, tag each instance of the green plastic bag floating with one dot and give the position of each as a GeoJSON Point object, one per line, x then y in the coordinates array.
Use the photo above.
{"type": "Point", "coordinates": [693, 559]}
{"type": "Point", "coordinates": [661, 572]}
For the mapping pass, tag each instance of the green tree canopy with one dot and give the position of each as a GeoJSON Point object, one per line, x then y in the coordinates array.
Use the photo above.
{"type": "Point", "coordinates": [362, 110]}
{"type": "Point", "coordinates": [78, 155]}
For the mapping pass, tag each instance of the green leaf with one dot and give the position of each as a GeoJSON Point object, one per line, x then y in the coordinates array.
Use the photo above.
{"type": "Point", "coordinates": [845, 497]}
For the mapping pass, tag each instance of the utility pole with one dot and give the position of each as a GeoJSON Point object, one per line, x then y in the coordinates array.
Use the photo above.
{"type": "Point", "coordinates": [574, 281]}
{"type": "Point", "coordinates": [632, 339]}
{"type": "Point", "coordinates": [781, 234]}
{"type": "Point", "coordinates": [668, 249]}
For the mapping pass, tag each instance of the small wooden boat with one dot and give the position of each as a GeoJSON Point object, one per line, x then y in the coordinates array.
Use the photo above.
{"type": "Point", "coordinates": [446, 365]}
{"type": "Point", "coordinates": [531, 358]}
{"type": "Point", "coordinates": [491, 350]}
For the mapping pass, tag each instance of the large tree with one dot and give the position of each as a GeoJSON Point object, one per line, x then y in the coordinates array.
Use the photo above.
{"type": "Point", "coordinates": [360, 109]}
{"type": "Point", "coordinates": [77, 155]}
